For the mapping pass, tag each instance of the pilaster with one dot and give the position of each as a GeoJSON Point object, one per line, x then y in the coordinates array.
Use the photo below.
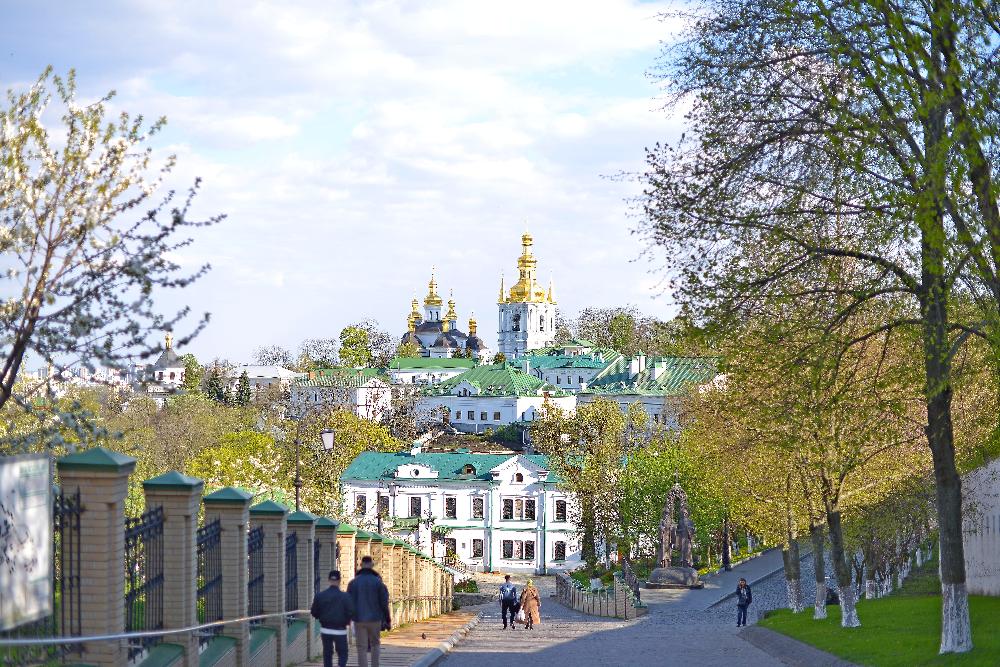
{"type": "Point", "coordinates": [231, 507]}
{"type": "Point", "coordinates": [273, 518]}
{"type": "Point", "coordinates": [304, 524]}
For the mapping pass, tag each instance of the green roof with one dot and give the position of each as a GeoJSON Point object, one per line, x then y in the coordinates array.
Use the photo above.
{"type": "Point", "coordinates": [374, 466]}
{"type": "Point", "coordinates": [341, 377]}
{"type": "Point", "coordinates": [96, 458]}
{"type": "Point", "coordinates": [495, 380]}
{"type": "Point", "coordinates": [269, 507]}
{"type": "Point", "coordinates": [673, 376]}
{"type": "Point", "coordinates": [228, 494]}
{"type": "Point", "coordinates": [439, 363]}
{"type": "Point", "coordinates": [326, 522]}
{"type": "Point", "coordinates": [551, 361]}
{"type": "Point", "coordinates": [302, 517]}
{"type": "Point", "coordinates": [346, 528]}
{"type": "Point", "coordinates": [173, 480]}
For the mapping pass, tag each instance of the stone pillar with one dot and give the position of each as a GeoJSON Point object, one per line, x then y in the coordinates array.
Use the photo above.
{"type": "Point", "coordinates": [326, 535]}
{"type": "Point", "coordinates": [345, 543]}
{"type": "Point", "coordinates": [304, 524]}
{"type": "Point", "coordinates": [102, 479]}
{"type": "Point", "coordinates": [232, 508]}
{"type": "Point", "coordinates": [272, 517]}
{"type": "Point", "coordinates": [180, 498]}
{"type": "Point", "coordinates": [375, 550]}
{"type": "Point", "coordinates": [362, 547]}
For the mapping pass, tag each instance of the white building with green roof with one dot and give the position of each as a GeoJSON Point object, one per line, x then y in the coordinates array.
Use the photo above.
{"type": "Point", "coordinates": [658, 383]}
{"type": "Point", "coordinates": [489, 397]}
{"type": "Point", "coordinates": [365, 391]}
{"type": "Point", "coordinates": [427, 370]}
{"type": "Point", "coordinates": [571, 366]}
{"type": "Point", "coordinates": [491, 511]}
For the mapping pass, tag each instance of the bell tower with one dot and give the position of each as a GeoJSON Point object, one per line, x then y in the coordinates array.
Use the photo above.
{"type": "Point", "coordinates": [527, 313]}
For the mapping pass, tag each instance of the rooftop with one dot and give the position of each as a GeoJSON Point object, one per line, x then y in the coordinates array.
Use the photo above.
{"type": "Point", "coordinates": [419, 363]}
{"type": "Point", "coordinates": [661, 376]}
{"type": "Point", "coordinates": [376, 466]}
{"type": "Point", "coordinates": [496, 380]}
{"type": "Point", "coordinates": [341, 377]}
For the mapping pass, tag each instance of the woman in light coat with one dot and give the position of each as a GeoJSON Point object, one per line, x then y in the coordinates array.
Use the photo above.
{"type": "Point", "coordinates": [531, 605]}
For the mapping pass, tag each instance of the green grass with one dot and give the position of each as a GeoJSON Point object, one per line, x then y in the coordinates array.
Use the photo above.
{"type": "Point", "coordinates": [902, 630]}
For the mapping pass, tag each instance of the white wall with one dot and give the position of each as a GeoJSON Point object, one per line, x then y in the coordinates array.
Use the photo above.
{"type": "Point", "coordinates": [981, 535]}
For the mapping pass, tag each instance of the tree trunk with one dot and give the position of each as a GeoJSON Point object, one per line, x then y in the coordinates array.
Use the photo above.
{"type": "Point", "coordinates": [727, 546]}
{"type": "Point", "coordinates": [819, 567]}
{"type": "Point", "coordinates": [848, 597]}
{"type": "Point", "coordinates": [793, 574]}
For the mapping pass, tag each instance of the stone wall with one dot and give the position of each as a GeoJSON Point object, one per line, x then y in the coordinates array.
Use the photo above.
{"type": "Point", "coordinates": [981, 495]}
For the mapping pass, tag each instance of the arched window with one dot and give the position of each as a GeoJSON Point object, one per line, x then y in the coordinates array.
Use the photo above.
{"type": "Point", "coordinates": [518, 477]}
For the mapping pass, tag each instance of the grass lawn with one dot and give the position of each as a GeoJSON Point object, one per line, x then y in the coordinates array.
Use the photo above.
{"type": "Point", "coordinates": [902, 629]}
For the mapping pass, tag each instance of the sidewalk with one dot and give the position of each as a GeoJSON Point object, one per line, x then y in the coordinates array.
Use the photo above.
{"type": "Point", "coordinates": [418, 644]}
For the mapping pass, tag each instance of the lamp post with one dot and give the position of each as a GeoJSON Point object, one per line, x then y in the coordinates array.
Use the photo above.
{"type": "Point", "coordinates": [328, 437]}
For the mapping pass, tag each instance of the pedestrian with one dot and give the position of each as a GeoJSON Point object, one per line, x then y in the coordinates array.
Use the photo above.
{"type": "Point", "coordinates": [334, 610]}
{"type": "Point", "coordinates": [508, 601]}
{"type": "Point", "coordinates": [371, 611]}
{"type": "Point", "coordinates": [531, 605]}
{"type": "Point", "coordinates": [744, 597]}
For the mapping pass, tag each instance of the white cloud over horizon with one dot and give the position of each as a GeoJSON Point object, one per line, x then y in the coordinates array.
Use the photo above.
{"type": "Point", "coordinates": [354, 145]}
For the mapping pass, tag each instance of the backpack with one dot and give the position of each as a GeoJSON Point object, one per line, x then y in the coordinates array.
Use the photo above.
{"type": "Point", "coordinates": [508, 593]}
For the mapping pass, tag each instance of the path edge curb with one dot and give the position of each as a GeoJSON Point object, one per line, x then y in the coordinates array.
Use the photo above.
{"type": "Point", "coordinates": [789, 650]}
{"type": "Point", "coordinates": [757, 580]}
{"type": "Point", "coordinates": [441, 650]}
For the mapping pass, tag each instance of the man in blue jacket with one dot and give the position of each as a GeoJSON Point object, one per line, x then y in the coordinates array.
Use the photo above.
{"type": "Point", "coordinates": [508, 601]}
{"type": "Point", "coordinates": [334, 610]}
{"type": "Point", "coordinates": [371, 607]}
{"type": "Point", "coordinates": [744, 598]}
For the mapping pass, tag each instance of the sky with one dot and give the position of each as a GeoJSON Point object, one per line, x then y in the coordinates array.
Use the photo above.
{"type": "Point", "coordinates": [354, 145]}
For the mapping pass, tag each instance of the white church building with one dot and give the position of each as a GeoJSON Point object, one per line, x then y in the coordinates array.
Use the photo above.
{"type": "Point", "coordinates": [494, 512]}
{"type": "Point", "coordinates": [527, 313]}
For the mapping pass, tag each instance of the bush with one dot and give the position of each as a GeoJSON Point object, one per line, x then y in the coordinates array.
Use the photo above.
{"type": "Point", "coordinates": [467, 586]}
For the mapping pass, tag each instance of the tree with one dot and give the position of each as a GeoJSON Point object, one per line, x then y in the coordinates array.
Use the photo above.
{"type": "Point", "coordinates": [193, 373]}
{"type": "Point", "coordinates": [244, 393]}
{"type": "Point", "coordinates": [862, 133]}
{"type": "Point", "coordinates": [82, 281]}
{"type": "Point", "coordinates": [621, 333]}
{"type": "Point", "coordinates": [407, 349]}
{"type": "Point", "coordinates": [354, 347]}
{"type": "Point", "coordinates": [499, 358]}
{"type": "Point", "coordinates": [215, 388]}
{"type": "Point", "coordinates": [273, 355]}
{"type": "Point", "coordinates": [315, 353]}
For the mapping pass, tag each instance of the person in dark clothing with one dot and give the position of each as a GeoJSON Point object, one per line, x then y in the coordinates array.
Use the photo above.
{"type": "Point", "coordinates": [744, 597]}
{"type": "Point", "coordinates": [371, 607]}
{"type": "Point", "coordinates": [508, 601]}
{"type": "Point", "coordinates": [334, 610]}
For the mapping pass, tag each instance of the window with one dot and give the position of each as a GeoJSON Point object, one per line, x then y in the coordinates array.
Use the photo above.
{"type": "Point", "coordinates": [458, 415]}
{"type": "Point", "coordinates": [414, 506]}
{"type": "Point", "coordinates": [469, 469]}
{"type": "Point", "coordinates": [541, 323]}
{"type": "Point", "coordinates": [496, 416]}
{"type": "Point", "coordinates": [529, 550]}
{"type": "Point", "coordinates": [529, 510]}
{"type": "Point", "coordinates": [581, 379]}
{"type": "Point", "coordinates": [450, 546]}
{"type": "Point", "coordinates": [471, 415]}
{"type": "Point", "coordinates": [171, 375]}
{"type": "Point", "coordinates": [482, 416]}
{"type": "Point", "coordinates": [508, 508]}
{"type": "Point", "coordinates": [516, 549]}
{"type": "Point", "coordinates": [518, 477]}
{"type": "Point", "coordinates": [360, 504]}
{"type": "Point", "coordinates": [477, 548]}
{"type": "Point", "coordinates": [558, 379]}
{"type": "Point", "coordinates": [507, 549]}
{"type": "Point", "coordinates": [518, 509]}
{"type": "Point", "coordinates": [517, 322]}
{"type": "Point", "coordinates": [560, 510]}
{"type": "Point", "coordinates": [383, 505]}
{"type": "Point", "coordinates": [559, 551]}
{"type": "Point", "coordinates": [477, 508]}
{"type": "Point", "coordinates": [161, 375]}
{"type": "Point", "coordinates": [450, 507]}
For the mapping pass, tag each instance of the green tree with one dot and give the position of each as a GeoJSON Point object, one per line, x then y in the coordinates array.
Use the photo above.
{"type": "Point", "coordinates": [193, 373]}
{"type": "Point", "coordinates": [246, 460]}
{"type": "Point", "coordinates": [355, 350]}
{"type": "Point", "coordinates": [215, 388]}
{"type": "Point", "coordinates": [244, 393]}
{"type": "Point", "coordinates": [499, 358]}
{"type": "Point", "coordinates": [621, 333]}
{"type": "Point", "coordinates": [408, 349]}
{"type": "Point", "coordinates": [315, 353]}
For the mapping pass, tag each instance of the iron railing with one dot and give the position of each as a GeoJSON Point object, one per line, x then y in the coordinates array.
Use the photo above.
{"type": "Point", "coordinates": [628, 576]}
{"type": "Point", "coordinates": [291, 573]}
{"type": "Point", "coordinates": [144, 577]}
{"type": "Point", "coordinates": [209, 602]}
{"type": "Point", "coordinates": [255, 574]}
{"type": "Point", "coordinates": [317, 575]}
{"type": "Point", "coordinates": [66, 614]}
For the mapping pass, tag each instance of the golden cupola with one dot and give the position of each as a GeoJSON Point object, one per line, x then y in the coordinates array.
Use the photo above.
{"type": "Point", "coordinates": [451, 317]}
{"type": "Point", "coordinates": [527, 288]}
{"type": "Point", "coordinates": [472, 325]}
{"type": "Point", "coordinates": [432, 298]}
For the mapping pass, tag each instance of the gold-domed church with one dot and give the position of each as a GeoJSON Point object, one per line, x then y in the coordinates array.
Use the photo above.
{"type": "Point", "coordinates": [437, 336]}
{"type": "Point", "coordinates": [528, 310]}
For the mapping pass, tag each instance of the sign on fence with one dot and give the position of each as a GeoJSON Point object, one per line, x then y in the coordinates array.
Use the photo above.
{"type": "Point", "coordinates": [25, 539]}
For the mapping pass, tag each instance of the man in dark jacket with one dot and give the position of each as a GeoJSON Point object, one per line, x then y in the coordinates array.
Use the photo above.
{"type": "Point", "coordinates": [334, 609]}
{"type": "Point", "coordinates": [508, 601]}
{"type": "Point", "coordinates": [744, 596]}
{"type": "Point", "coordinates": [371, 605]}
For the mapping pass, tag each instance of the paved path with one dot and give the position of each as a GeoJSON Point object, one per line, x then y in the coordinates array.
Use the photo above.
{"type": "Point", "coordinates": [682, 628]}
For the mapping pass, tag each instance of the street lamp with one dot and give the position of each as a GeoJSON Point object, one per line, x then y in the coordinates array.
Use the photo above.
{"type": "Point", "coordinates": [327, 436]}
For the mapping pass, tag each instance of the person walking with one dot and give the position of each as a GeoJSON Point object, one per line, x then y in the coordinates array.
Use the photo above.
{"type": "Point", "coordinates": [744, 597]}
{"type": "Point", "coordinates": [531, 605]}
{"type": "Point", "coordinates": [508, 601]}
{"type": "Point", "coordinates": [371, 609]}
{"type": "Point", "coordinates": [334, 610]}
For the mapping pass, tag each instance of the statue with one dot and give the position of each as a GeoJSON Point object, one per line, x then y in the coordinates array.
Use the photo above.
{"type": "Point", "coordinates": [675, 535]}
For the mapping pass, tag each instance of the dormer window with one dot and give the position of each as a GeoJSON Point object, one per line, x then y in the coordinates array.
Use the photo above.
{"type": "Point", "coordinates": [518, 477]}
{"type": "Point", "coordinates": [469, 469]}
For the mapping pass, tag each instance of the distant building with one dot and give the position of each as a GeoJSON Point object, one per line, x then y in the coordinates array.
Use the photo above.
{"type": "Point", "coordinates": [165, 376]}
{"type": "Point", "coordinates": [571, 366]}
{"type": "Point", "coordinates": [493, 512]}
{"type": "Point", "coordinates": [659, 383]}
{"type": "Point", "coordinates": [427, 370]}
{"type": "Point", "coordinates": [364, 391]}
{"type": "Point", "coordinates": [981, 529]}
{"type": "Point", "coordinates": [437, 336]}
{"type": "Point", "coordinates": [527, 313]}
{"type": "Point", "coordinates": [262, 377]}
{"type": "Point", "coordinates": [490, 396]}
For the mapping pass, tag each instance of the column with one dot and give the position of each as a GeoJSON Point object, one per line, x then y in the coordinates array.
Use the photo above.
{"type": "Point", "coordinates": [345, 543]}
{"type": "Point", "coordinates": [272, 517]}
{"type": "Point", "coordinates": [180, 498]}
{"type": "Point", "coordinates": [102, 479]}
{"type": "Point", "coordinates": [362, 547]}
{"type": "Point", "coordinates": [375, 550]}
{"type": "Point", "coordinates": [231, 507]}
{"type": "Point", "coordinates": [326, 535]}
{"type": "Point", "coordinates": [304, 524]}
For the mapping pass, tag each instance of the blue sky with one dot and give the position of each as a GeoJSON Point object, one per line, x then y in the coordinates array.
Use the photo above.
{"type": "Point", "coordinates": [355, 145]}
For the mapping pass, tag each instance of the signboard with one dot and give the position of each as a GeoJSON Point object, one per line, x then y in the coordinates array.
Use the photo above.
{"type": "Point", "coordinates": [25, 539]}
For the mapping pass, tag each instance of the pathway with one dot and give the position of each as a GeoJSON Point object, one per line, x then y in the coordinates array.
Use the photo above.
{"type": "Point", "coordinates": [682, 628]}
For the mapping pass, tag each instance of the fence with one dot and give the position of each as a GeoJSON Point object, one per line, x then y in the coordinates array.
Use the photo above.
{"type": "Point", "coordinates": [209, 602]}
{"type": "Point", "coordinates": [255, 574]}
{"type": "Point", "coordinates": [144, 577]}
{"type": "Point", "coordinates": [66, 603]}
{"type": "Point", "coordinates": [291, 574]}
{"type": "Point", "coordinates": [617, 601]}
{"type": "Point", "coordinates": [629, 578]}
{"type": "Point", "coordinates": [317, 574]}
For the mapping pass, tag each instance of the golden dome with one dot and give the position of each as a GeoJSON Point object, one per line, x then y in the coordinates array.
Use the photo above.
{"type": "Point", "coordinates": [527, 288]}
{"type": "Point", "coordinates": [551, 297]}
{"type": "Point", "coordinates": [472, 325]}
{"type": "Point", "coordinates": [432, 298]}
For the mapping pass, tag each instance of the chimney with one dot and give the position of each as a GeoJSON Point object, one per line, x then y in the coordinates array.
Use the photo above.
{"type": "Point", "coordinates": [637, 365]}
{"type": "Point", "coordinates": [655, 370]}
{"type": "Point", "coordinates": [527, 365]}
{"type": "Point", "coordinates": [416, 448]}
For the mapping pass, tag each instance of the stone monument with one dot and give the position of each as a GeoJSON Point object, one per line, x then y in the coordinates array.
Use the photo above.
{"type": "Point", "coordinates": [675, 535]}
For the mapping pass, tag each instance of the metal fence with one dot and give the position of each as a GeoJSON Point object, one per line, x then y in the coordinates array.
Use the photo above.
{"type": "Point", "coordinates": [628, 576]}
{"type": "Point", "coordinates": [209, 578]}
{"type": "Point", "coordinates": [66, 614]}
{"type": "Point", "coordinates": [255, 570]}
{"type": "Point", "coordinates": [144, 577]}
{"type": "Point", "coordinates": [317, 578]}
{"type": "Point", "coordinates": [291, 573]}
{"type": "Point", "coordinates": [618, 601]}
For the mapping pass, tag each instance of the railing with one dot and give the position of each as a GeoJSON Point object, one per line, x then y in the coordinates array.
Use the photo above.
{"type": "Point", "coordinates": [66, 610]}
{"type": "Point", "coordinates": [209, 603]}
{"type": "Point", "coordinates": [291, 574]}
{"type": "Point", "coordinates": [255, 574]}
{"type": "Point", "coordinates": [144, 577]}
{"type": "Point", "coordinates": [455, 563]}
{"type": "Point", "coordinates": [616, 601]}
{"type": "Point", "coordinates": [628, 576]}
{"type": "Point", "coordinates": [317, 575]}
